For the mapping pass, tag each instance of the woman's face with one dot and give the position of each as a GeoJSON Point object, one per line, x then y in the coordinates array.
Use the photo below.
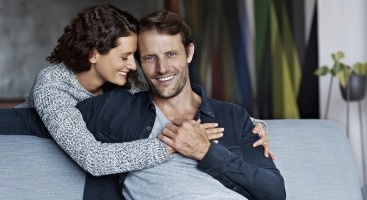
{"type": "Point", "coordinates": [114, 66]}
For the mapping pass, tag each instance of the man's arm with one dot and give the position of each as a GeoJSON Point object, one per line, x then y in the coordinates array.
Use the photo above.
{"type": "Point", "coordinates": [248, 174]}
{"type": "Point", "coordinates": [241, 167]}
{"type": "Point", "coordinates": [22, 121]}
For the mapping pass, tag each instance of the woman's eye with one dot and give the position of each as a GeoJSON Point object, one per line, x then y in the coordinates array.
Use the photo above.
{"type": "Point", "coordinates": [123, 58]}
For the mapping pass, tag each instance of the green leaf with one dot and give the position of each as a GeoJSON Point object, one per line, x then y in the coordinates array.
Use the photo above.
{"type": "Point", "coordinates": [343, 77]}
{"type": "Point", "coordinates": [334, 57]}
{"type": "Point", "coordinates": [322, 71]}
{"type": "Point", "coordinates": [335, 69]}
{"type": "Point", "coordinates": [360, 68]}
{"type": "Point", "coordinates": [340, 55]}
{"type": "Point", "coordinates": [337, 56]}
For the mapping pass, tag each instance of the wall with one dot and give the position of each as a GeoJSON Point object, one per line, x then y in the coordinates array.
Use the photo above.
{"type": "Point", "coordinates": [29, 32]}
{"type": "Point", "coordinates": [342, 26]}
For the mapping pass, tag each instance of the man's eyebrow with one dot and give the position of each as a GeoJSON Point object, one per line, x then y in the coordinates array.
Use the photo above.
{"type": "Point", "coordinates": [144, 55]}
{"type": "Point", "coordinates": [173, 50]}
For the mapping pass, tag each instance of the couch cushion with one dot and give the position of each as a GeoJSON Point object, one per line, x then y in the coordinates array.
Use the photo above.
{"type": "Point", "coordinates": [315, 159]}
{"type": "Point", "coordinates": [27, 161]}
{"type": "Point", "coordinates": [364, 192]}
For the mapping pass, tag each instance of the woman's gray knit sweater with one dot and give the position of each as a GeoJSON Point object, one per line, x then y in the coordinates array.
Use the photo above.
{"type": "Point", "coordinates": [54, 95]}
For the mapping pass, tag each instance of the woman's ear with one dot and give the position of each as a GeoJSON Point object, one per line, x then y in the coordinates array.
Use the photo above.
{"type": "Point", "coordinates": [94, 56]}
{"type": "Point", "coordinates": [190, 52]}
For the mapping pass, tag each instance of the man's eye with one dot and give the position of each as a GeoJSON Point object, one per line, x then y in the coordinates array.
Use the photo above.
{"type": "Point", "coordinates": [170, 54]}
{"type": "Point", "coordinates": [148, 58]}
{"type": "Point", "coordinates": [123, 58]}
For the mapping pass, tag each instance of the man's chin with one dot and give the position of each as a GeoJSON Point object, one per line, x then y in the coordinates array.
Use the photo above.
{"type": "Point", "coordinates": [165, 94]}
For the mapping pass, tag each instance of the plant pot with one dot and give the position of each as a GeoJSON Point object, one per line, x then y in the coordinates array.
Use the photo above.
{"type": "Point", "coordinates": [357, 88]}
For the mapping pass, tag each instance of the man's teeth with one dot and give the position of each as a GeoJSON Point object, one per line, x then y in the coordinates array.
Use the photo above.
{"type": "Point", "coordinates": [122, 73]}
{"type": "Point", "coordinates": [166, 78]}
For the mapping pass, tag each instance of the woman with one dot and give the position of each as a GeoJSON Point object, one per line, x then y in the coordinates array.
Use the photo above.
{"type": "Point", "coordinates": [94, 54]}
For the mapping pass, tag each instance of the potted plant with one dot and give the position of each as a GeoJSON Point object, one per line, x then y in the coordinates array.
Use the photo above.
{"type": "Point", "coordinates": [352, 80]}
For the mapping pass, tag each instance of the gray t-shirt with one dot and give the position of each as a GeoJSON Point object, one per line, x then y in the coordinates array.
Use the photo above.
{"type": "Point", "coordinates": [176, 178]}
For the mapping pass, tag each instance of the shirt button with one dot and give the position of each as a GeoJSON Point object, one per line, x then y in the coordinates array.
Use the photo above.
{"type": "Point", "coordinates": [235, 188]}
{"type": "Point", "coordinates": [208, 170]}
{"type": "Point", "coordinates": [149, 128]}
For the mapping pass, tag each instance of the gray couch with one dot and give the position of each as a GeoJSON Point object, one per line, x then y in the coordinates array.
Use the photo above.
{"type": "Point", "coordinates": [314, 157]}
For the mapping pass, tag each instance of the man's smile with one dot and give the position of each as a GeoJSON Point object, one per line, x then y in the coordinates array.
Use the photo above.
{"type": "Point", "coordinates": [167, 78]}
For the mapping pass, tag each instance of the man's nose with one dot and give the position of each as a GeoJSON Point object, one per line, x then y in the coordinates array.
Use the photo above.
{"type": "Point", "coordinates": [162, 66]}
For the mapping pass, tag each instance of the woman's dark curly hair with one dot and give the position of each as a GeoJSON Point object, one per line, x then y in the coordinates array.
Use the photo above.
{"type": "Point", "coordinates": [98, 27]}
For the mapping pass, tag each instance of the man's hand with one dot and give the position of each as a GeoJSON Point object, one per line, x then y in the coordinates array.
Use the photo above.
{"type": "Point", "coordinates": [264, 140]}
{"type": "Point", "coordinates": [212, 131]}
{"type": "Point", "coordinates": [189, 138]}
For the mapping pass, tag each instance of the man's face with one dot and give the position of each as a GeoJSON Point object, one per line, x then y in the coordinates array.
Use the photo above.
{"type": "Point", "coordinates": [164, 62]}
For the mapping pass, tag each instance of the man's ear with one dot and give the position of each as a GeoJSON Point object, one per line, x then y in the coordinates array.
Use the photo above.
{"type": "Point", "coordinates": [94, 56]}
{"type": "Point", "coordinates": [190, 52]}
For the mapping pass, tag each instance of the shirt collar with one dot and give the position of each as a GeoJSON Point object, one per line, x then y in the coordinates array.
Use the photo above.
{"type": "Point", "coordinates": [204, 107]}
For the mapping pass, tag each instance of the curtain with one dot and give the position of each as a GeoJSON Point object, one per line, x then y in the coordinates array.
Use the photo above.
{"type": "Point", "coordinates": [256, 54]}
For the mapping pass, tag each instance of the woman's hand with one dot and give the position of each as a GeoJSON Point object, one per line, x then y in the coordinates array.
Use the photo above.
{"type": "Point", "coordinates": [213, 132]}
{"type": "Point", "coordinates": [264, 140]}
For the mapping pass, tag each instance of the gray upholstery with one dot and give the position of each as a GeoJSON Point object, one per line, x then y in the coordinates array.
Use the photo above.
{"type": "Point", "coordinates": [364, 192]}
{"type": "Point", "coordinates": [314, 157]}
{"type": "Point", "coordinates": [36, 168]}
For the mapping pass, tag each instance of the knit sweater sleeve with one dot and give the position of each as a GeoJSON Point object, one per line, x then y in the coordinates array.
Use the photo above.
{"type": "Point", "coordinates": [262, 122]}
{"type": "Point", "coordinates": [55, 104]}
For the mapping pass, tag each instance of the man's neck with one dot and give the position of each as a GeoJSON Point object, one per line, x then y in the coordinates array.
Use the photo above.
{"type": "Point", "coordinates": [181, 107]}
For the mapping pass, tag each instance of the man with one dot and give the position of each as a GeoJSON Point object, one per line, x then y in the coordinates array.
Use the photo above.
{"type": "Point", "coordinates": [229, 169]}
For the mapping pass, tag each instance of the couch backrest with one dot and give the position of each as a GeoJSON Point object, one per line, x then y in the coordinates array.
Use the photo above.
{"type": "Point", "coordinates": [315, 159]}
{"type": "Point", "coordinates": [36, 168]}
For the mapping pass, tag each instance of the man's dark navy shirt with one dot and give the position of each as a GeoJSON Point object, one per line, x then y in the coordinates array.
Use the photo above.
{"type": "Point", "coordinates": [119, 116]}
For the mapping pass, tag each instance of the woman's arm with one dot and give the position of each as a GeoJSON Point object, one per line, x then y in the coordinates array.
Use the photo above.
{"type": "Point", "coordinates": [259, 121]}
{"type": "Point", "coordinates": [55, 103]}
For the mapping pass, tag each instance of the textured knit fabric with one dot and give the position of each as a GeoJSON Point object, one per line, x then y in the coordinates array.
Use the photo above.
{"type": "Point", "coordinates": [54, 95]}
